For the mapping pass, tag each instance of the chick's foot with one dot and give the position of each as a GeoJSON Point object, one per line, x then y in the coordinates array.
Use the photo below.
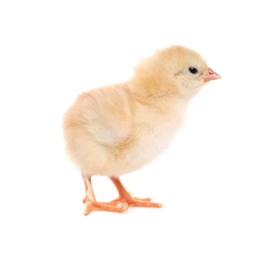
{"type": "Point", "coordinates": [125, 196]}
{"type": "Point", "coordinates": [103, 206]}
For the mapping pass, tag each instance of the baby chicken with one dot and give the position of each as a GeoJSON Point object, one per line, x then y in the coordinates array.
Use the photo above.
{"type": "Point", "coordinates": [117, 129]}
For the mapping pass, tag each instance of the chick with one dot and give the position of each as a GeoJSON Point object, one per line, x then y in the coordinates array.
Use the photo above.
{"type": "Point", "coordinates": [117, 129]}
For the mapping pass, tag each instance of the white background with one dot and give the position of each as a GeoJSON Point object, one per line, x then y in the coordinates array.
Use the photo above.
{"type": "Point", "coordinates": [214, 179]}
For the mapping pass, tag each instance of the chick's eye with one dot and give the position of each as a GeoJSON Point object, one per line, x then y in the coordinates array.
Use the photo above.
{"type": "Point", "coordinates": [193, 70]}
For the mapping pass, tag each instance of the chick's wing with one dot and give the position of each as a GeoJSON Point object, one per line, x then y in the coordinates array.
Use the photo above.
{"type": "Point", "coordinates": [106, 114]}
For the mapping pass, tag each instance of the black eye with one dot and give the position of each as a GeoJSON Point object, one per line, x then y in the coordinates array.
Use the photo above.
{"type": "Point", "coordinates": [193, 70]}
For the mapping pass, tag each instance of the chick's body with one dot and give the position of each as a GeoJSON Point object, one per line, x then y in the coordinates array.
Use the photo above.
{"type": "Point", "coordinates": [111, 132]}
{"type": "Point", "coordinates": [120, 128]}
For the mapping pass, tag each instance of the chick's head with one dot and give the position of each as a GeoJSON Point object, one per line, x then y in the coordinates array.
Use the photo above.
{"type": "Point", "coordinates": [178, 70]}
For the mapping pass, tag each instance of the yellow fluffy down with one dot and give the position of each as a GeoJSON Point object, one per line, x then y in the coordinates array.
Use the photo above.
{"type": "Point", "coordinates": [119, 128]}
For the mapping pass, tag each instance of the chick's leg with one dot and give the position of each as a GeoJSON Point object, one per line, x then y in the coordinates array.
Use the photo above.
{"type": "Point", "coordinates": [89, 193]}
{"type": "Point", "coordinates": [125, 197]}
{"type": "Point", "coordinates": [92, 204]}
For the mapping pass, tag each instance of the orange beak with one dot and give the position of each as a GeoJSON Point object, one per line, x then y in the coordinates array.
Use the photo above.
{"type": "Point", "coordinates": [211, 75]}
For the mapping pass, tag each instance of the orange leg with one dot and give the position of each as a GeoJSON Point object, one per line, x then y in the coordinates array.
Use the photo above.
{"type": "Point", "coordinates": [119, 205]}
{"type": "Point", "coordinates": [125, 197]}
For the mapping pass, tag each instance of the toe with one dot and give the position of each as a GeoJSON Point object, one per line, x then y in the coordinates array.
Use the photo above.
{"type": "Point", "coordinates": [147, 203]}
